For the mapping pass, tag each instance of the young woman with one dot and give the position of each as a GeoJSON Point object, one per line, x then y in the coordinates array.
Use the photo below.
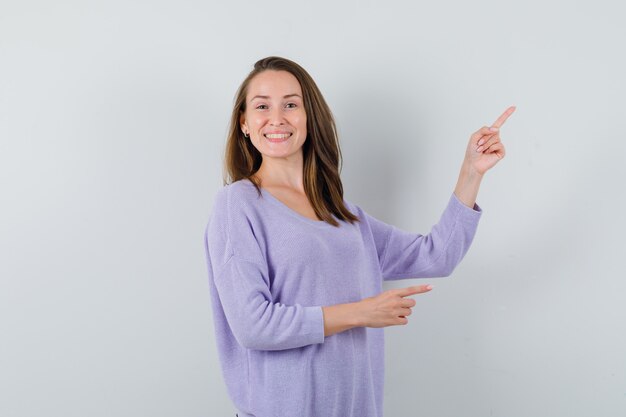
{"type": "Point", "coordinates": [296, 271]}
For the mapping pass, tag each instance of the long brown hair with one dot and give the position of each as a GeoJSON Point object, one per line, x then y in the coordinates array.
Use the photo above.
{"type": "Point", "coordinates": [321, 152]}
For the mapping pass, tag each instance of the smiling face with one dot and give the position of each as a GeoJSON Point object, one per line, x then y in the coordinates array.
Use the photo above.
{"type": "Point", "coordinates": [275, 117]}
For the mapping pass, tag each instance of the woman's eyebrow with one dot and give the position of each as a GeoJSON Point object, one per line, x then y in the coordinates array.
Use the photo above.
{"type": "Point", "coordinates": [267, 97]}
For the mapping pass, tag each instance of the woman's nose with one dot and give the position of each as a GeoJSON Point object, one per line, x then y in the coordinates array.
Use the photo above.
{"type": "Point", "coordinates": [277, 117]}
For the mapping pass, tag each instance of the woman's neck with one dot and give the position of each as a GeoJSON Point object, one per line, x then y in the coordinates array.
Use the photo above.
{"type": "Point", "coordinates": [281, 173]}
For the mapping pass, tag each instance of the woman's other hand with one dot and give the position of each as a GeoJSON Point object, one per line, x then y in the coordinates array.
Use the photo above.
{"type": "Point", "coordinates": [485, 147]}
{"type": "Point", "coordinates": [389, 308]}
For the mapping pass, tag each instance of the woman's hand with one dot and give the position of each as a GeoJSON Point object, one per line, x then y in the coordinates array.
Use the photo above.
{"type": "Point", "coordinates": [484, 151]}
{"type": "Point", "coordinates": [485, 148]}
{"type": "Point", "coordinates": [388, 308]}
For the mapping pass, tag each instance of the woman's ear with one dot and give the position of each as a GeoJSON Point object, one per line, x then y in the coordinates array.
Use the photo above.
{"type": "Point", "coordinates": [243, 125]}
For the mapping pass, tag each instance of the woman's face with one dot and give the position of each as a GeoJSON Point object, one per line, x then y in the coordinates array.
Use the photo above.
{"type": "Point", "coordinates": [275, 117]}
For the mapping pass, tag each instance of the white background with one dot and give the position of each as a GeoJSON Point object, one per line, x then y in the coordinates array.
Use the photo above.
{"type": "Point", "coordinates": [113, 117]}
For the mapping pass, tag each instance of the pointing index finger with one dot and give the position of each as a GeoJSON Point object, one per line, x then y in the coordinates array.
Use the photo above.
{"type": "Point", "coordinates": [503, 117]}
{"type": "Point", "coordinates": [417, 289]}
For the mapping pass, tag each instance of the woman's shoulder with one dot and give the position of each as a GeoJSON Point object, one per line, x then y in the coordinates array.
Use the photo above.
{"type": "Point", "coordinates": [237, 198]}
{"type": "Point", "coordinates": [239, 191]}
{"type": "Point", "coordinates": [352, 207]}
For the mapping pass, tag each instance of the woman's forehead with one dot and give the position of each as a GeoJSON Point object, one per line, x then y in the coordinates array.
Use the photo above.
{"type": "Point", "coordinates": [274, 84]}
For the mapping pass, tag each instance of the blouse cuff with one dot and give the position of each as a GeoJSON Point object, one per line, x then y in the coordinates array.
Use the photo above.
{"type": "Point", "coordinates": [455, 201]}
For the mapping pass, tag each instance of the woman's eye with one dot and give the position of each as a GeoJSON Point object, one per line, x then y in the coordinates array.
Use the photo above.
{"type": "Point", "coordinates": [291, 105]}
{"type": "Point", "coordinates": [261, 107]}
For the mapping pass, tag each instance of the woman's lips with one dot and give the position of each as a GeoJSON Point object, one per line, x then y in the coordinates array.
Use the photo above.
{"type": "Point", "coordinates": [277, 137]}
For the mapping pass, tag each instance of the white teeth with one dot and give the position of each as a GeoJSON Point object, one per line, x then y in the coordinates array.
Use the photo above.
{"type": "Point", "coordinates": [277, 136]}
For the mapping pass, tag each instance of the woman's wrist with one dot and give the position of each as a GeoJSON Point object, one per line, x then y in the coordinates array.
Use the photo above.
{"type": "Point", "coordinates": [341, 317]}
{"type": "Point", "coordinates": [467, 186]}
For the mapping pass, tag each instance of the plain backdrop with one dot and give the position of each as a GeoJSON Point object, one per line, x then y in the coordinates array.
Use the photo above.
{"type": "Point", "coordinates": [113, 117]}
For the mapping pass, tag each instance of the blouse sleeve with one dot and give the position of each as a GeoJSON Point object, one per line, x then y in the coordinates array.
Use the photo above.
{"type": "Point", "coordinates": [240, 273]}
{"type": "Point", "coordinates": [403, 254]}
